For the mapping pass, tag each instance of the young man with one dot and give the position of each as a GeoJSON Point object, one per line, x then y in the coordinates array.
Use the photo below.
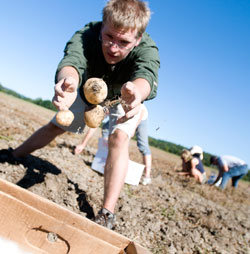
{"type": "Point", "coordinates": [142, 142]}
{"type": "Point", "coordinates": [229, 167]}
{"type": "Point", "coordinates": [119, 51]}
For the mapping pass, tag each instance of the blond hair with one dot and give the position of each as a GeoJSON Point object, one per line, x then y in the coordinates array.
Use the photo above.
{"type": "Point", "coordinates": [127, 14]}
{"type": "Point", "coordinates": [186, 155]}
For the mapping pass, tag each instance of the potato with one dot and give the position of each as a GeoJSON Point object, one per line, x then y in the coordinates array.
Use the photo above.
{"type": "Point", "coordinates": [65, 117]}
{"type": "Point", "coordinates": [94, 116]}
{"type": "Point", "coordinates": [95, 90]}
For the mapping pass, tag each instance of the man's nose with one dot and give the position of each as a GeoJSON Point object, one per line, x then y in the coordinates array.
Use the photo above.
{"type": "Point", "coordinates": [114, 47]}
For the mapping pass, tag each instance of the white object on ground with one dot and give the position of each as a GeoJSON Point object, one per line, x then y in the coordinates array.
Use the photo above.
{"type": "Point", "coordinates": [134, 169]}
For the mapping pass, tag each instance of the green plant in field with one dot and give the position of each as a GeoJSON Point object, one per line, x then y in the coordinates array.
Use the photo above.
{"type": "Point", "coordinates": [6, 138]}
{"type": "Point", "coordinates": [164, 212]}
{"type": "Point", "coordinates": [168, 212]}
{"type": "Point", "coordinates": [128, 191]}
{"type": "Point", "coordinates": [171, 213]}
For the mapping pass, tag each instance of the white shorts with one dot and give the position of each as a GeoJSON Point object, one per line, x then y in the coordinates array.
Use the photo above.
{"type": "Point", "coordinates": [128, 127]}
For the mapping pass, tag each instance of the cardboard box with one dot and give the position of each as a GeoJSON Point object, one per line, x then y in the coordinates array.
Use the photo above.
{"type": "Point", "coordinates": [40, 226]}
{"type": "Point", "coordinates": [135, 169]}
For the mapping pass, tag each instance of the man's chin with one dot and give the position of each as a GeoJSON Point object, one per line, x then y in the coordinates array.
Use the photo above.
{"type": "Point", "coordinates": [111, 60]}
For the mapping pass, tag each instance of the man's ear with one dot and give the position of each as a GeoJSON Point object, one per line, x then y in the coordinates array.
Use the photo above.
{"type": "Point", "coordinates": [138, 41]}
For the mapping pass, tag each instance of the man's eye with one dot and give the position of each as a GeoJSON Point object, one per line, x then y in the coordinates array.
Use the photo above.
{"type": "Point", "coordinates": [124, 43]}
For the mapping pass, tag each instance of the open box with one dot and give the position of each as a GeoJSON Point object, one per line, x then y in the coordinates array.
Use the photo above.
{"type": "Point", "coordinates": [40, 226]}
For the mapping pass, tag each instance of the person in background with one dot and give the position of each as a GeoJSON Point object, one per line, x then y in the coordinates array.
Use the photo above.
{"type": "Point", "coordinates": [192, 166]}
{"type": "Point", "coordinates": [229, 167]}
{"type": "Point", "coordinates": [142, 143]}
{"type": "Point", "coordinates": [118, 50]}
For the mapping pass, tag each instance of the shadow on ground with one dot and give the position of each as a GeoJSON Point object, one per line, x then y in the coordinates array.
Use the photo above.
{"type": "Point", "coordinates": [36, 170]}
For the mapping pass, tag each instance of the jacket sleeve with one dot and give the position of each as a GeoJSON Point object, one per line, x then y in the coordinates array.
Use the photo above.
{"type": "Point", "coordinates": [146, 65]}
{"type": "Point", "coordinates": [74, 53]}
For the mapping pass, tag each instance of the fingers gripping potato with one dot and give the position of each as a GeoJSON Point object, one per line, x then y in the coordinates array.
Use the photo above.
{"type": "Point", "coordinates": [94, 116]}
{"type": "Point", "coordinates": [95, 90]}
{"type": "Point", "coordinates": [64, 117]}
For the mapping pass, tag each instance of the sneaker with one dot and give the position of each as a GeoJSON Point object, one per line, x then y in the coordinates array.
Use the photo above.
{"type": "Point", "coordinates": [105, 218]}
{"type": "Point", "coordinates": [6, 156]}
{"type": "Point", "coordinates": [146, 180]}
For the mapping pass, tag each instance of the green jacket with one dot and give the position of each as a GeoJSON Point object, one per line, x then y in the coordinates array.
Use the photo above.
{"type": "Point", "coordinates": [84, 53]}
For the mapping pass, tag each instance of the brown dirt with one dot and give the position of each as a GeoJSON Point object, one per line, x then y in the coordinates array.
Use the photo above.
{"type": "Point", "coordinates": [172, 215]}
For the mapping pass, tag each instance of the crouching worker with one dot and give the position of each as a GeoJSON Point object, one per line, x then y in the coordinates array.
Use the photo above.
{"type": "Point", "coordinates": [229, 167]}
{"type": "Point", "coordinates": [192, 166]}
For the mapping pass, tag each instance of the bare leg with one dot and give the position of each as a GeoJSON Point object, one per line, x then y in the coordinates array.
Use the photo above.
{"type": "Point", "coordinates": [147, 161]}
{"type": "Point", "coordinates": [197, 175]}
{"type": "Point", "coordinates": [116, 168]}
{"type": "Point", "coordinates": [37, 140]}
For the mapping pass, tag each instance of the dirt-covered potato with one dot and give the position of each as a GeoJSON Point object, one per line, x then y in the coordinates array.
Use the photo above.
{"type": "Point", "coordinates": [94, 116]}
{"type": "Point", "coordinates": [95, 90]}
{"type": "Point", "coordinates": [65, 117]}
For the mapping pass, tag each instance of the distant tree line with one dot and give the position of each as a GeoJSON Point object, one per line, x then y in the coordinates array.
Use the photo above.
{"type": "Point", "coordinates": [247, 177]}
{"type": "Point", "coordinates": [158, 143]}
{"type": "Point", "coordinates": [44, 103]}
{"type": "Point", "coordinates": [175, 149]}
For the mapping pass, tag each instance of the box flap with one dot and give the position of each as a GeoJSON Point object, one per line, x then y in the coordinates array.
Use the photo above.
{"type": "Point", "coordinates": [60, 213]}
{"type": "Point", "coordinates": [40, 233]}
{"type": "Point", "coordinates": [134, 248]}
{"type": "Point", "coordinates": [33, 221]}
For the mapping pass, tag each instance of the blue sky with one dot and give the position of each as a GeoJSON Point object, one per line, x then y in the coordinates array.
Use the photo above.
{"type": "Point", "coordinates": [204, 79]}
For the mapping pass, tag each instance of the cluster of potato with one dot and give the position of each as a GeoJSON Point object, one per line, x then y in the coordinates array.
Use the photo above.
{"type": "Point", "coordinates": [95, 91]}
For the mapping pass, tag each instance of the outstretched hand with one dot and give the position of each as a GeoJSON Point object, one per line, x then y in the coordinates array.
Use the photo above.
{"type": "Point", "coordinates": [131, 101]}
{"type": "Point", "coordinates": [65, 93]}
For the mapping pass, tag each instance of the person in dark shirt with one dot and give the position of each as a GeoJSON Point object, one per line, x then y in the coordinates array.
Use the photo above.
{"type": "Point", "coordinates": [192, 166]}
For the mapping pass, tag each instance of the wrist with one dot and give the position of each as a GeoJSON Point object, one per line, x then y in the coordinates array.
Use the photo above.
{"type": "Point", "coordinates": [68, 73]}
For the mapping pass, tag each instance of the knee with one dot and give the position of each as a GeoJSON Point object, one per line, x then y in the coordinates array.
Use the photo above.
{"type": "Point", "coordinates": [51, 128]}
{"type": "Point", "coordinates": [118, 139]}
{"type": "Point", "coordinates": [144, 150]}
